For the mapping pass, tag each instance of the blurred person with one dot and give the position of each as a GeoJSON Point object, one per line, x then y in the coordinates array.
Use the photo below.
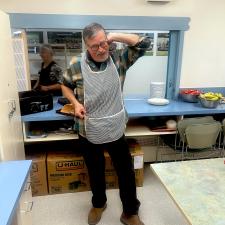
{"type": "Point", "coordinates": [50, 73]}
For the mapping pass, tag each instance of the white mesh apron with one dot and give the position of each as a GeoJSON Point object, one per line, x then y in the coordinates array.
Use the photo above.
{"type": "Point", "coordinates": [103, 102]}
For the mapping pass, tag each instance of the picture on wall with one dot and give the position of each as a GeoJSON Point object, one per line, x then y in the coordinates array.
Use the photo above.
{"type": "Point", "coordinates": [162, 44]}
{"type": "Point", "coordinates": [149, 51]}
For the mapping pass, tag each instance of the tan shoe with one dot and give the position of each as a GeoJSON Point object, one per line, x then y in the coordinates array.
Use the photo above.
{"type": "Point", "coordinates": [95, 215]}
{"type": "Point", "coordinates": [130, 220]}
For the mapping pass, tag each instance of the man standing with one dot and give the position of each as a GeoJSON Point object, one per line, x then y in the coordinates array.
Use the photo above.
{"type": "Point", "coordinates": [94, 87]}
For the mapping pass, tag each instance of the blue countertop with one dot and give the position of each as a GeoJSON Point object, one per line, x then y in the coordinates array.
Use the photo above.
{"type": "Point", "coordinates": [47, 115]}
{"type": "Point", "coordinates": [140, 107]}
{"type": "Point", "coordinates": [136, 107]}
{"type": "Point", "coordinates": [13, 175]}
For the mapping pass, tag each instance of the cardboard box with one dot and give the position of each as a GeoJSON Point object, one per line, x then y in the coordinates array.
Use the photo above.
{"type": "Point", "coordinates": [66, 173]}
{"type": "Point", "coordinates": [38, 173]}
{"type": "Point", "coordinates": [138, 161]}
{"type": "Point", "coordinates": [111, 179]}
{"type": "Point", "coordinates": [139, 177]}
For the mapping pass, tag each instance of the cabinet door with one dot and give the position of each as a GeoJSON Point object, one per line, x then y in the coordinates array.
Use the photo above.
{"type": "Point", "coordinates": [11, 139]}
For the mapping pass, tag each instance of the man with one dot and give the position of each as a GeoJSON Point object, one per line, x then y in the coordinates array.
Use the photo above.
{"type": "Point", "coordinates": [50, 73]}
{"type": "Point", "coordinates": [97, 80]}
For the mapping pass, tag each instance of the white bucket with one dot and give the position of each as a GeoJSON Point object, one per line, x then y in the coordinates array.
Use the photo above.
{"type": "Point", "coordinates": [157, 90]}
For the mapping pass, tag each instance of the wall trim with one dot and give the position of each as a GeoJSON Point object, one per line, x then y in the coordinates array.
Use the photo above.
{"type": "Point", "coordinates": [26, 20]}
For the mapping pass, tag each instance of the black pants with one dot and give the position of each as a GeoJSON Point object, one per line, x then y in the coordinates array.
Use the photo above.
{"type": "Point", "coordinates": [119, 152]}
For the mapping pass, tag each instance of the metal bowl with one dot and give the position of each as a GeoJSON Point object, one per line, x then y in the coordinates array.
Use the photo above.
{"type": "Point", "coordinates": [209, 103]}
{"type": "Point", "coordinates": [189, 97]}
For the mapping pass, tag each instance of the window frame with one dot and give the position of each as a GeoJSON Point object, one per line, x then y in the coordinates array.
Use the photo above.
{"type": "Point", "coordinates": [175, 25]}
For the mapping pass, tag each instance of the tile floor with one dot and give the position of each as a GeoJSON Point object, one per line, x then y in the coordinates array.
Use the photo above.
{"type": "Point", "coordinates": [157, 208]}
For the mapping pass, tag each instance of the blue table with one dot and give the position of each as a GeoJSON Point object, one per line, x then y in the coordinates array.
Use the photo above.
{"type": "Point", "coordinates": [137, 107]}
{"type": "Point", "coordinates": [13, 176]}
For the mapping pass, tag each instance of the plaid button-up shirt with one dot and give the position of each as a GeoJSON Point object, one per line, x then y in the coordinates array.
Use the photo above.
{"type": "Point", "coordinates": [123, 59]}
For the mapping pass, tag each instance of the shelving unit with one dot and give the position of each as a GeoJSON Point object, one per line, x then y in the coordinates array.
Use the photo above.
{"type": "Point", "coordinates": [136, 109]}
{"type": "Point", "coordinates": [47, 136]}
{"type": "Point", "coordinates": [140, 131]}
{"type": "Point", "coordinates": [131, 131]}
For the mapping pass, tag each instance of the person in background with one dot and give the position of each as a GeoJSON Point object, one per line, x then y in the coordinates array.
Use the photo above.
{"type": "Point", "coordinates": [50, 73]}
{"type": "Point", "coordinates": [97, 79]}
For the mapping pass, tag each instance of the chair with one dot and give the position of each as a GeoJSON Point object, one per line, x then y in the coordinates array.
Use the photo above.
{"type": "Point", "coordinates": [202, 136]}
{"type": "Point", "coordinates": [184, 123]}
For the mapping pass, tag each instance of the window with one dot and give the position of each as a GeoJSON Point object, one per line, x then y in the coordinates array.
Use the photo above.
{"type": "Point", "coordinates": [175, 25]}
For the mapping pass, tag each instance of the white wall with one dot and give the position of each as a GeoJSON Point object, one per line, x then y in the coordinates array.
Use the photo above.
{"type": "Point", "coordinates": [147, 69]}
{"type": "Point", "coordinates": [204, 48]}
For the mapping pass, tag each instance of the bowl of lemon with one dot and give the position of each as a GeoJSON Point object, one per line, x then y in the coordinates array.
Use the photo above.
{"type": "Point", "coordinates": [210, 99]}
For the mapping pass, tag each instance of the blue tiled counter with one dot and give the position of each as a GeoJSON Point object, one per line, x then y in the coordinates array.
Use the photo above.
{"type": "Point", "coordinates": [136, 107]}
{"type": "Point", "coordinates": [140, 107]}
{"type": "Point", "coordinates": [13, 176]}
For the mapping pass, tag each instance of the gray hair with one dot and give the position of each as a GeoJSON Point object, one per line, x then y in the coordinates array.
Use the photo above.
{"type": "Point", "coordinates": [47, 47]}
{"type": "Point", "coordinates": [91, 30]}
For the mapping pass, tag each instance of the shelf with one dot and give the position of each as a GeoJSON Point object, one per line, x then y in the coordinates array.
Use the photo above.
{"type": "Point", "coordinates": [52, 137]}
{"type": "Point", "coordinates": [36, 57]}
{"type": "Point", "coordinates": [135, 129]}
{"type": "Point", "coordinates": [131, 131]}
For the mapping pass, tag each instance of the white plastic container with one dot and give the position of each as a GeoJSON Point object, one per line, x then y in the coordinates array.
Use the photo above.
{"type": "Point", "coordinates": [157, 90]}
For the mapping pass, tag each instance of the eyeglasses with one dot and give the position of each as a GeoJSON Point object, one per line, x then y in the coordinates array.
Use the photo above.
{"type": "Point", "coordinates": [102, 44]}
